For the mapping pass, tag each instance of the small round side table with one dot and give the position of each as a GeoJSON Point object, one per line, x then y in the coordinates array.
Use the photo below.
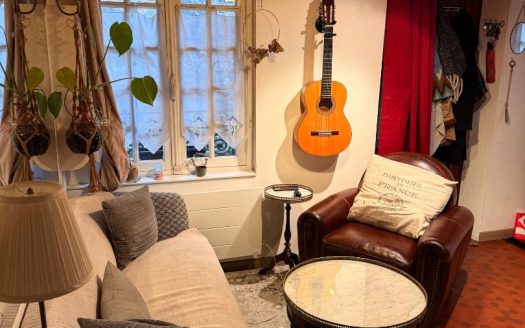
{"type": "Point", "coordinates": [287, 194]}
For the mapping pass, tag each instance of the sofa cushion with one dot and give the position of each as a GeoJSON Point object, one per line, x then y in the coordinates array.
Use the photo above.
{"type": "Point", "coordinates": [182, 281]}
{"type": "Point", "coordinates": [120, 299]}
{"type": "Point", "coordinates": [132, 224]}
{"type": "Point", "coordinates": [100, 323]}
{"type": "Point", "coordinates": [361, 240]}
{"type": "Point", "coordinates": [400, 197]}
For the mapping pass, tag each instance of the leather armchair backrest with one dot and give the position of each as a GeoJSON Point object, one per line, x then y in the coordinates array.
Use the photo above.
{"type": "Point", "coordinates": [428, 163]}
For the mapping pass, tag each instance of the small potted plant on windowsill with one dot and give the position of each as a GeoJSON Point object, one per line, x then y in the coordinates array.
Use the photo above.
{"type": "Point", "coordinates": [200, 161]}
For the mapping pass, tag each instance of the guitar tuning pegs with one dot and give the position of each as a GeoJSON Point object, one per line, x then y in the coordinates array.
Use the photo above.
{"type": "Point", "coordinates": [319, 24]}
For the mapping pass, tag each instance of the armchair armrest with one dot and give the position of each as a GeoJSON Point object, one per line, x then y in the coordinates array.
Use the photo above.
{"type": "Point", "coordinates": [320, 219]}
{"type": "Point", "coordinates": [171, 212]}
{"type": "Point", "coordinates": [441, 251]}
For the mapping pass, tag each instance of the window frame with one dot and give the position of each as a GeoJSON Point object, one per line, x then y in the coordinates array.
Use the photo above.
{"type": "Point", "coordinates": [175, 160]}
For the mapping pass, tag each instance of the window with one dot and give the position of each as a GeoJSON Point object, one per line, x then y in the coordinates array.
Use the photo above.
{"type": "Point", "coordinates": [193, 48]}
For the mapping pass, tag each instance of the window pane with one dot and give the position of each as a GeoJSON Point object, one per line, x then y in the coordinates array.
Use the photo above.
{"type": "Point", "coordinates": [223, 2]}
{"type": "Point", "coordinates": [224, 30]}
{"type": "Point", "coordinates": [195, 108]}
{"type": "Point", "coordinates": [195, 71]}
{"type": "Point", "coordinates": [224, 69]}
{"type": "Point", "coordinates": [193, 29]}
{"type": "Point", "coordinates": [221, 149]}
{"type": "Point", "coordinates": [146, 155]}
{"type": "Point", "coordinates": [111, 15]}
{"type": "Point", "coordinates": [193, 2]}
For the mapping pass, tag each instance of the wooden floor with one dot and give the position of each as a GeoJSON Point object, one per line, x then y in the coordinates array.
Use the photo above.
{"type": "Point", "coordinates": [490, 290]}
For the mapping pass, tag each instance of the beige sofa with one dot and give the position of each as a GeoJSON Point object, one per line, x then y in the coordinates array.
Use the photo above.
{"type": "Point", "coordinates": [180, 278]}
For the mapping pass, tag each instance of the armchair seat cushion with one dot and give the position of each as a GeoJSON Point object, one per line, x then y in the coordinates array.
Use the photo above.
{"type": "Point", "coordinates": [362, 240]}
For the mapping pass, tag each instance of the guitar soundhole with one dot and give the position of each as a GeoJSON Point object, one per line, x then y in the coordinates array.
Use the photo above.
{"type": "Point", "coordinates": [326, 104]}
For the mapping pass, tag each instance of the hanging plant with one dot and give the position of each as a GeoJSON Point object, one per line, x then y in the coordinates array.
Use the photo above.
{"type": "Point", "coordinates": [27, 102]}
{"type": "Point", "coordinates": [84, 135]}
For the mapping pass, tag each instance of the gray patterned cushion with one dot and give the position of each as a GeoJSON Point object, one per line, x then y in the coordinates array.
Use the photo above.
{"type": "Point", "coordinates": [132, 224]}
{"type": "Point", "coordinates": [120, 299]}
{"type": "Point", "coordinates": [171, 213]}
{"type": "Point", "coordinates": [99, 323]}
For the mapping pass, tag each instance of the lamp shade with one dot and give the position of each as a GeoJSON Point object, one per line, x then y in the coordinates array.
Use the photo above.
{"type": "Point", "coordinates": [42, 254]}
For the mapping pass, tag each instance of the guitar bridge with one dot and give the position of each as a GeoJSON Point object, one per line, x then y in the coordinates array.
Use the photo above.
{"type": "Point", "coordinates": [324, 133]}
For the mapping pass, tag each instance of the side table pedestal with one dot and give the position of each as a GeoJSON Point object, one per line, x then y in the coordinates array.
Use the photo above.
{"type": "Point", "coordinates": [287, 194]}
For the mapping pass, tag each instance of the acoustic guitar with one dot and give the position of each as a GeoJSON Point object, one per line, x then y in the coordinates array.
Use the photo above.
{"type": "Point", "coordinates": [323, 129]}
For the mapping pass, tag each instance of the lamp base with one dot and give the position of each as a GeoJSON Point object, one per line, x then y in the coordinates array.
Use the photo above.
{"type": "Point", "coordinates": [42, 314]}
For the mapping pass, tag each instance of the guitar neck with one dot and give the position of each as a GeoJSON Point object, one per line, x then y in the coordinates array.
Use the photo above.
{"type": "Point", "coordinates": [326, 82]}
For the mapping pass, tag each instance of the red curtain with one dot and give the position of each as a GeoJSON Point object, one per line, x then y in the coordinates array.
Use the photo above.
{"type": "Point", "coordinates": [408, 68]}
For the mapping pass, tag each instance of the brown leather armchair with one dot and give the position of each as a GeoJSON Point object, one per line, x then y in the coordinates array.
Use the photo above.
{"type": "Point", "coordinates": [434, 259]}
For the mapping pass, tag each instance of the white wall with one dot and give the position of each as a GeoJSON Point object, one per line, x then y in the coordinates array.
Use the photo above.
{"type": "Point", "coordinates": [356, 63]}
{"type": "Point", "coordinates": [493, 186]}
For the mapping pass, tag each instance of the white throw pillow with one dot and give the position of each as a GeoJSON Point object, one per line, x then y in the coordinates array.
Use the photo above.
{"type": "Point", "coordinates": [400, 197]}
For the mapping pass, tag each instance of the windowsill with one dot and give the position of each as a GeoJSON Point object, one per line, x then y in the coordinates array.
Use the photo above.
{"type": "Point", "coordinates": [180, 178]}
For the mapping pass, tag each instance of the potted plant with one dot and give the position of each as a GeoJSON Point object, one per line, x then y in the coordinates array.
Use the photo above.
{"type": "Point", "coordinates": [200, 160]}
{"type": "Point", "coordinates": [81, 85]}
{"type": "Point", "coordinates": [28, 104]}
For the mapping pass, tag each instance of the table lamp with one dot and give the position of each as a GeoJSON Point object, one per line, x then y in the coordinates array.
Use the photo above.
{"type": "Point", "coordinates": [42, 253]}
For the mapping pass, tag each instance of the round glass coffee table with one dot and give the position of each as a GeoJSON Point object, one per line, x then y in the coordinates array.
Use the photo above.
{"type": "Point", "coordinates": [345, 291]}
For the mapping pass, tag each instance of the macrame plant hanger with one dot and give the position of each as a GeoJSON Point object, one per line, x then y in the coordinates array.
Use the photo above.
{"type": "Point", "coordinates": [83, 135]}
{"type": "Point", "coordinates": [257, 54]}
{"type": "Point", "coordinates": [30, 135]}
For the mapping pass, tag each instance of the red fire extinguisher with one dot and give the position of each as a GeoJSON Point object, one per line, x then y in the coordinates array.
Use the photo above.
{"type": "Point", "coordinates": [490, 63]}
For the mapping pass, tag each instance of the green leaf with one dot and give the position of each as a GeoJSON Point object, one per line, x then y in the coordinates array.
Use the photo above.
{"type": "Point", "coordinates": [121, 36]}
{"type": "Point", "coordinates": [35, 76]}
{"type": "Point", "coordinates": [41, 102]}
{"type": "Point", "coordinates": [54, 103]}
{"type": "Point", "coordinates": [67, 77]}
{"type": "Point", "coordinates": [144, 89]}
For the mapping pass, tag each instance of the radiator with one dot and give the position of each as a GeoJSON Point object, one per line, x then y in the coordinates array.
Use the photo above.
{"type": "Point", "coordinates": [231, 220]}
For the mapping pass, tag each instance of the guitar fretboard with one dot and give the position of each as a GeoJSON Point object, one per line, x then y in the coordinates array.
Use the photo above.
{"type": "Point", "coordinates": [326, 82]}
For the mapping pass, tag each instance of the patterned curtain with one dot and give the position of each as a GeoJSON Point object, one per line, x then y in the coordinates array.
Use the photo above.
{"type": "Point", "coordinates": [11, 167]}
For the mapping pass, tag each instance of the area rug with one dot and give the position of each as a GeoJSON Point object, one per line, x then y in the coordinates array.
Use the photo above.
{"type": "Point", "coordinates": [260, 298]}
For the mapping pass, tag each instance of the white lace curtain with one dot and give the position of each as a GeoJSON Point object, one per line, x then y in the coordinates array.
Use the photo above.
{"type": "Point", "coordinates": [144, 123]}
{"type": "Point", "coordinates": [212, 77]}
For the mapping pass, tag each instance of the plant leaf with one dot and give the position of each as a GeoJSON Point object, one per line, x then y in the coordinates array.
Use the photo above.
{"type": "Point", "coordinates": [144, 89]}
{"type": "Point", "coordinates": [67, 77]}
{"type": "Point", "coordinates": [54, 103]}
{"type": "Point", "coordinates": [35, 76]}
{"type": "Point", "coordinates": [121, 36]}
{"type": "Point", "coordinates": [41, 102]}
